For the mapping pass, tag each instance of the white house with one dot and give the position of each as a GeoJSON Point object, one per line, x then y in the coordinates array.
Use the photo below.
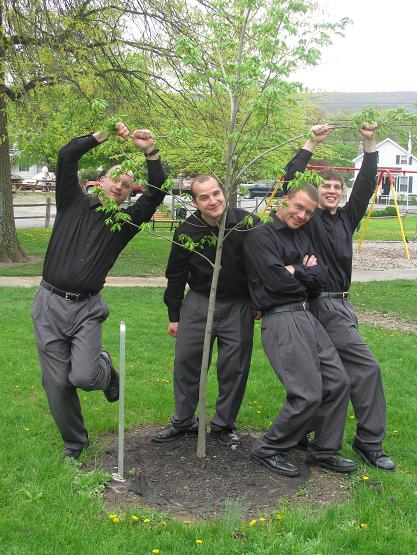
{"type": "Point", "coordinates": [22, 170]}
{"type": "Point", "coordinates": [400, 162]}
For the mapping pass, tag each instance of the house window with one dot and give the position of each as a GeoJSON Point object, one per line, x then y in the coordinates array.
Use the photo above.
{"type": "Point", "coordinates": [402, 184]}
{"type": "Point", "coordinates": [401, 159]}
{"type": "Point", "coordinates": [23, 168]}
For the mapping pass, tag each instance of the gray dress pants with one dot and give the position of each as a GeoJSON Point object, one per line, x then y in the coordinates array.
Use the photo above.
{"type": "Point", "coordinates": [317, 386]}
{"type": "Point", "coordinates": [366, 391]}
{"type": "Point", "coordinates": [233, 328]}
{"type": "Point", "coordinates": [68, 337]}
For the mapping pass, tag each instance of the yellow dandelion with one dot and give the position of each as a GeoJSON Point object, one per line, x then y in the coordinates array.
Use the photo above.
{"type": "Point", "coordinates": [258, 412]}
{"type": "Point", "coordinates": [279, 517]}
{"type": "Point", "coordinates": [85, 398]}
{"type": "Point", "coordinates": [163, 523]}
{"type": "Point", "coordinates": [395, 433]}
{"type": "Point", "coordinates": [156, 551]}
{"type": "Point", "coordinates": [146, 520]}
{"type": "Point", "coordinates": [199, 542]}
{"type": "Point", "coordinates": [112, 516]}
{"type": "Point", "coordinates": [187, 522]}
{"type": "Point", "coordinates": [252, 522]}
{"type": "Point", "coordinates": [351, 417]}
{"type": "Point", "coordinates": [365, 477]}
{"type": "Point", "coordinates": [24, 429]}
{"type": "Point", "coordinates": [262, 519]}
{"type": "Point", "coordinates": [135, 518]}
{"type": "Point", "coordinates": [116, 519]}
{"type": "Point", "coordinates": [363, 525]}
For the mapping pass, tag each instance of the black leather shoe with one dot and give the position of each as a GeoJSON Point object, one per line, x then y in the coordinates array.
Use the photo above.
{"type": "Point", "coordinates": [69, 453]}
{"type": "Point", "coordinates": [226, 437]}
{"type": "Point", "coordinates": [278, 463]}
{"type": "Point", "coordinates": [375, 457]}
{"type": "Point", "coordinates": [170, 433]}
{"type": "Point", "coordinates": [112, 391]}
{"type": "Point", "coordinates": [334, 462]}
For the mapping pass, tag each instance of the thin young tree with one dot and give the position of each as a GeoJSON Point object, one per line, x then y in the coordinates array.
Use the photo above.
{"type": "Point", "coordinates": [227, 82]}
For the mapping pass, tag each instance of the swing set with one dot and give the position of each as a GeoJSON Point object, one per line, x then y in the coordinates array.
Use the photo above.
{"type": "Point", "coordinates": [381, 173]}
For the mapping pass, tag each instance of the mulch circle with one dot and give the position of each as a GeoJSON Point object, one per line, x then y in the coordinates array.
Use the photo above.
{"type": "Point", "coordinates": [169, 477]}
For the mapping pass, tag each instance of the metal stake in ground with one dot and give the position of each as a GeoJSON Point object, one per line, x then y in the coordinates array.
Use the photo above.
{"type": "Point", "coordinates": [122, 371]}
{"type": "Point", "coordinates": [118, 483]}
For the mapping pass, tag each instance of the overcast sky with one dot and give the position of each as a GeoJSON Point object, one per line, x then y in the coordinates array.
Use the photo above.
{"type": "Point", "coordinates": [378, 52]}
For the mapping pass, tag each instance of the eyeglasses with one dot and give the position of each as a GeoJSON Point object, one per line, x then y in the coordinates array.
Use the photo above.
{"type": "Point", "coordinates": [300, 208]}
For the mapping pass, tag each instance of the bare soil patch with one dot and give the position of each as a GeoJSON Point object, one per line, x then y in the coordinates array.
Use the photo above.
{"type": "Point", "coordinates": [374, 318]}
{"type": "Point", "coordinates": [172, 479]}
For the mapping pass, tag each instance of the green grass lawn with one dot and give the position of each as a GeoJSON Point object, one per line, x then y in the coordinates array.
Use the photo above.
{"type": "Point", "coordinates": [388, 229]}
{"type": "Point", "coordinates": [388, 297]}
{"type": "Point", "coordinates": [147, 255]}
{"type": "Point", "coordinates": [51, 507]}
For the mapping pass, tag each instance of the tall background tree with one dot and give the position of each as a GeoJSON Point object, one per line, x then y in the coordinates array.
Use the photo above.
{"type": "Point", "coordinates": [48, 42]}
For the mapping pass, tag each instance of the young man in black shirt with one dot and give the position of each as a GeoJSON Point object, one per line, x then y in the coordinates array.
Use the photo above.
{"type": "Point", "coordinates": [331, 231]}
{"type": "Point", "coordinates": [233, 320]}
{"type": "Point", "coordinates": [282, 273]}
{"type": "Point", "coordinates": [68, 310]}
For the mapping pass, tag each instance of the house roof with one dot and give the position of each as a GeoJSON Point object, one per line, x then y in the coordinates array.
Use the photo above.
{"type": "Point", "coordinates": [401, 150]}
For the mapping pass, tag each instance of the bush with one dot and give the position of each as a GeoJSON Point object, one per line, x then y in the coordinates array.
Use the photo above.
{"type": "Point", "coordinates": [388, 211]}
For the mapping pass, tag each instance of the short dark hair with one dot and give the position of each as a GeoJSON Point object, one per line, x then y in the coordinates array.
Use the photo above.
{"type": "Point", "coordinates": [307, 188]}
{"type": "Point", "coordinates": [202, 178]}
{"type": "Point", "coordinates": [105, 172]}
{"type": "Point", "coordinates": [331, 175]}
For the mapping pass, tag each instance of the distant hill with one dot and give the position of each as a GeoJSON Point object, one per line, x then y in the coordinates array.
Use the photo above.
{"type": "Point", "coordinates": [354, 102]}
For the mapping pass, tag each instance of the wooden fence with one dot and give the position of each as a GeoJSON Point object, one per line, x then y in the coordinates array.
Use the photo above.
{"type": "Point", "coordinates": [46, 215]}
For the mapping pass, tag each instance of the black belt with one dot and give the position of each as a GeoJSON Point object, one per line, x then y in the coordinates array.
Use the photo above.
{"type": "Point", "coordinates": [292, 307]}
{"type": "Point", "coordinates": [343, 295]}
{"type": "Point", "coordinates": [68, 295]}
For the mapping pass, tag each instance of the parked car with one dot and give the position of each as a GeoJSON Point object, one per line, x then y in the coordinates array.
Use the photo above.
{"type": "Point", "coordinates": [185, 185]}
{"type": "Point", "coordinates": [261, 188]}
{"type": "Point", "coordinates": [136, 189]}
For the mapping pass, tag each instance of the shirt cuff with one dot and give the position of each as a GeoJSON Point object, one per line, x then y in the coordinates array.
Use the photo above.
{"type": "Point", "coordinates": [174, 314]}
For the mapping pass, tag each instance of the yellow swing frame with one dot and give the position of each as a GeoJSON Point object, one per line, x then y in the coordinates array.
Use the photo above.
{"type": "Point", "coordinates": [394, 196]}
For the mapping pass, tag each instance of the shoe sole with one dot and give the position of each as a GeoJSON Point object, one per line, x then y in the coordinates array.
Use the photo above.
{"type": "Point", "coordinates": [262, 462]}
{"type": "Point", "coordinates": [368, 462]}
{"type": "Point", "coordinates": [320, 464]}
{"type": "Point", "coordinates": [175, 438]}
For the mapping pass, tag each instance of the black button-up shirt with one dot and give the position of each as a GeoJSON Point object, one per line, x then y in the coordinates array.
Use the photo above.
{"type": "Point", "coordinates": [268, 249]}
{"type": "Point", "coordinates": [82, 248]}
{"type": "Point", "coordinates": [331, 235]}
{"type": "Point", "coordinates": [187, 266]}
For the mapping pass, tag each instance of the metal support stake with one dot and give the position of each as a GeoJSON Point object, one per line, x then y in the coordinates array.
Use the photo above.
{"type": "Point", "coordinates": [122, 372]}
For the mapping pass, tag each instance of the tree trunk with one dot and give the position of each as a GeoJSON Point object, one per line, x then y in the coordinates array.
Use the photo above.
{"type": "Point", "coordinates": [10, 249]}
{"type": "Point", "coordinates": [202, 421]}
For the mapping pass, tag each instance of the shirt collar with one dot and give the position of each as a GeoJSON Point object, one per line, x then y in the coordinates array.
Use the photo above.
{"type": "Point", "coordinates": [277, 224]}
{"type": "Point", "coordinates": [94, 202]}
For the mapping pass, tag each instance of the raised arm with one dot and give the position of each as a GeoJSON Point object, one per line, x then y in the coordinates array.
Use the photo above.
{"type": "Point", "coordinates": [67, 183]}
{"type": "Point", "coordinates": [303, 156]}
{"type": "Point", "coordinates": [145, 206]}
{"type": "Point", "coordinates": [365, 183]}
